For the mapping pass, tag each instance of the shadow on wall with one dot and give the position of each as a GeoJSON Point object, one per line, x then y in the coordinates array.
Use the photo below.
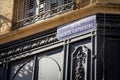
{"type": "Point", "coordinates": [4, 21]}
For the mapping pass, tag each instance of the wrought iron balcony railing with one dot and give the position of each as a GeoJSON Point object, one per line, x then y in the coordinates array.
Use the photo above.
{"type": "Point", "coordinates": [44, 15]}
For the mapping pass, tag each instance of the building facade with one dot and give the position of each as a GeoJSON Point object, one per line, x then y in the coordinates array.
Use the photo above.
{"type": "Point", "coordinates": [59, 39]}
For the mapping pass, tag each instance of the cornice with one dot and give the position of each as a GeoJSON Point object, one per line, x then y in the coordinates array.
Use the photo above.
{"type": "Point", "coordinates": [22, 48]}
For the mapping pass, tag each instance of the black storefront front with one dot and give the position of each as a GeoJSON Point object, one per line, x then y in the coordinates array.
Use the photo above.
{"type": "Point", "coordinates": [86, 52]}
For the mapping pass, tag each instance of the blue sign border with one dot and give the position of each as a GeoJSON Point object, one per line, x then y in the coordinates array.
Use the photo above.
{"type": "Point", "coordinates": [69, 30]}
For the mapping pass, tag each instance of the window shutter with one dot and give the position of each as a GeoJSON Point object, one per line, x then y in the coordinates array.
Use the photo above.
{"type": "Point", "coordinates": [54, 4]}
{"type": "Point", "coordinates": [29, 8]}
{"type": "Point", "coordinates": [18, 10]}
{"type": "Point", "coordinates": [41, 6]}
{"type": "Point", "coordinates": [67, 1]}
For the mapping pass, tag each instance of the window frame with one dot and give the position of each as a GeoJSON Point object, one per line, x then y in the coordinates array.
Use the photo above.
{"type": "Point", "coordinates": [21, 19]}
{"type": "Point", "coordinates": [35, 58]}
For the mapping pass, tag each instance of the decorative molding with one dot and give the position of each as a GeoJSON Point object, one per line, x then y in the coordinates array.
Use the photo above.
{"type": "Point", "coordinates": [26, 46]}
{"type": "Point", "coordinates": [79, 60]}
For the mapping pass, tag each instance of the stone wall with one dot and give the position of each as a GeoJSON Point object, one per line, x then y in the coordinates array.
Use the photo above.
{"type": "Point", "coordinates": [6, 9]}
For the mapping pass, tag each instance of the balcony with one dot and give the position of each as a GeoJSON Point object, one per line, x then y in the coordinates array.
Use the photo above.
{"type": "Point", "coordinates": [66, 7]}
{"type": "Point", "coordinates": [43, 15]}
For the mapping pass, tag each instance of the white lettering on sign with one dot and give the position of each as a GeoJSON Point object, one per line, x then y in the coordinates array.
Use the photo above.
{"type": "Point", "coordinates": [79, 26]}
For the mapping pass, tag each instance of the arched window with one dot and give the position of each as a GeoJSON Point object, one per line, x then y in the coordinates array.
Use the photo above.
{"type": "Point", "coordinates": [50, 67]}
{"type": "Point", "coordinates": [22, 70]}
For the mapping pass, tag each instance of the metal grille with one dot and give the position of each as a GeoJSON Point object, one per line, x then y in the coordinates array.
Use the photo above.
{"type": "Point", "coordinates": [44, 14]}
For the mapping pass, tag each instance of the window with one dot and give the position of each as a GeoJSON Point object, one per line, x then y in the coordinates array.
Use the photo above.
{"type": "Point", "coordinates": [67, 1]}
{"type": "Point", "coordinates": [33, 7]}
{"type": "Point", "coordinates": [67, 6]}
{"type": "Point", "coordinates": [50, 66]}
{"type": "Point", "coordinates": [54, 4]}
{"type": "Point", "coordinates": [45, 66]}
{"type": "Point", "coordinates": [29, 8]}
{"type": "Point", "coordinates": [42, 6]}
{"type": "Point", "coordinates": [30, 11]}
{"type": "Point", "coordinates": [22, 70]}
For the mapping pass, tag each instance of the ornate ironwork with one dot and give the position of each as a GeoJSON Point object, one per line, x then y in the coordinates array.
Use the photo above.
{"type": "Point", "coordinates": [79, 60]}
{"type": "Point", "coordinates": [44, 15]}
{"type": "Point", "coordinates": [25, 46]}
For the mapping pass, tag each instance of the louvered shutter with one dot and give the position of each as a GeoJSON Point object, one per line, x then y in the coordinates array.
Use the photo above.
{"type": "Point", "coordinates": [41, 6]}
{"type": "Point", "coordinates": [29, 8]}
{"type": "Point", "coordinates": [54, 4]}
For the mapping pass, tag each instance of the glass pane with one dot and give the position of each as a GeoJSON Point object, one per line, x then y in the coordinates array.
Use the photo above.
{"type": "Point", "coordinates": [22, 71]}
{"type": "Point", "coordinates": [50, 67]}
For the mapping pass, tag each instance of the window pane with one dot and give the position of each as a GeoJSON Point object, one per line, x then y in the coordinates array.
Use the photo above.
{"type": "Point", "coordinates": [22, 71]}
{"type": "Point", "coordinates": [50, 67]}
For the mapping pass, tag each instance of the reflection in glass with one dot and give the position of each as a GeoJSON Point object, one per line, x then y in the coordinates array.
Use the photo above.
{"type": "Point", "coordinates": [50, 67]}
{"type": "Point", "coordinates": [22, 71]}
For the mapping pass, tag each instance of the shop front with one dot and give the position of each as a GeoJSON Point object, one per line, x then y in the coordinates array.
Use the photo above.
{"type": "Point", "coordinates": [85, 49]}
